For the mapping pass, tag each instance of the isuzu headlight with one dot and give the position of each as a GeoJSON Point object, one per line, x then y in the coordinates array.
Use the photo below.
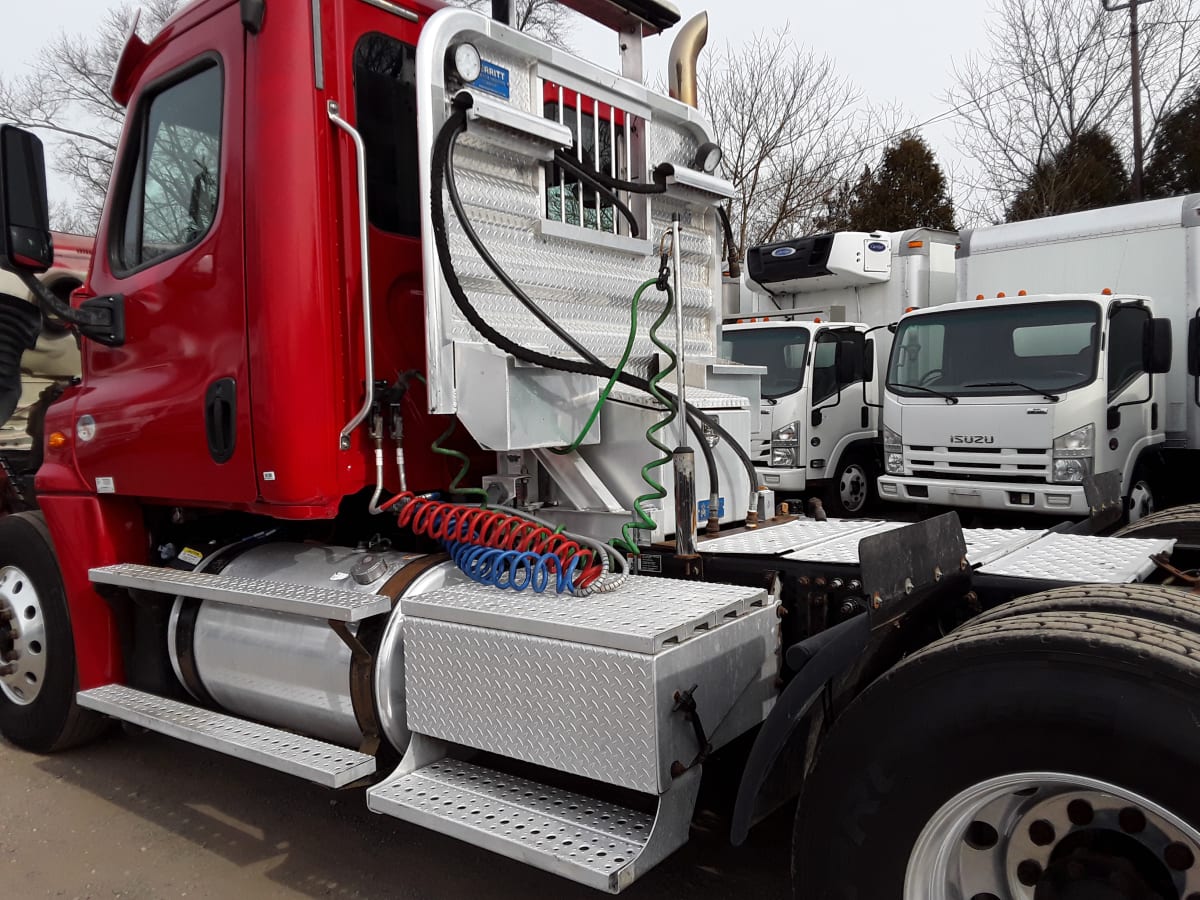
{"type": "Point", "coordinates": [784, 445]}
{"type": "Point", "coordinates": [787, 434]}
{"type": "Point", "coordinates": [783, 457]}
{"type": "Point", "coordinates": [1073, 454]}
{"type": "Point", "coordinates": [1080, 442]}
{"type": "Point", "coordinates": [893, 452]}
{"type": "Point", "coordinates": [1072, 471]}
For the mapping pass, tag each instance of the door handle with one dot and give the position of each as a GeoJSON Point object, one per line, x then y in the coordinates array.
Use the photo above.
{"type": "Point", "coordinates": [220, 419]}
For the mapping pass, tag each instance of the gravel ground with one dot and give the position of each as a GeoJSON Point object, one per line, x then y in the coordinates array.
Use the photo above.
{"type": "Point", "coordinates": [144, 816]}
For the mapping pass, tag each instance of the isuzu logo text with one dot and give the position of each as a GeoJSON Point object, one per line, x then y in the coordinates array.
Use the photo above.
{"type": "Point", "coordinates": [972, 439]}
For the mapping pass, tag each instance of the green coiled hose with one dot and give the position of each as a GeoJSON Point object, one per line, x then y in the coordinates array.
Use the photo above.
{"type": "Point", "coordinates": [641, 521]}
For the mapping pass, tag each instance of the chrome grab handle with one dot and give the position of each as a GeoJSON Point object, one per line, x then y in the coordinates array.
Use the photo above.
{"type": "Point", "coordinates": [368, 347]}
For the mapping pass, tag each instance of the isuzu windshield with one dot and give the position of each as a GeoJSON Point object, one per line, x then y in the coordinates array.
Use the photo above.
{"type": "Point", "coordinates": [1032, 348]}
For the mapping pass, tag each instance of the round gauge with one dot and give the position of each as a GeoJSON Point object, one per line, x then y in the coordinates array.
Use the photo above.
{"type": "Point", "coordinates": [708, 157]}
{"type": "Point", "coordinates": [466, 62]}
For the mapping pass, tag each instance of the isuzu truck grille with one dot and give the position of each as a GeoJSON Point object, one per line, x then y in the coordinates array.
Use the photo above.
{"type": "Point", "coordinates": [1018, 466]}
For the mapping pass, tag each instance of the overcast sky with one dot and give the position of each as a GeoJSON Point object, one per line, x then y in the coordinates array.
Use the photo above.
{"type": "Point", "coordinates": [892, 51]}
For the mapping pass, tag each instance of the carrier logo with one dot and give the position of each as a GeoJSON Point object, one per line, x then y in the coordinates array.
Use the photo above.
{"type": "Point", "coordinates": [877, 246]}
{"type": "Point", "coordinates": [972, 439]}
{"type": "Point", "coordinates": [781, 252]}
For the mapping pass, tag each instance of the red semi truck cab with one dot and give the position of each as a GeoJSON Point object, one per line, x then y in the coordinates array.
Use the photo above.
{"type": "Point", "coordinates": [302, 261]}
{"type": "Point", "coordinates": [231, 233]}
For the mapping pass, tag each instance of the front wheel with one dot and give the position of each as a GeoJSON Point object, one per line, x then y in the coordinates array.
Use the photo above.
{"type": "Point", "coordinates": [1039, 757]}
{"type": "Point", "coordinates": [852, 489]}
{"type": "Point", "coordinates": [37, 651]}
{"type": "Point", "coordinates": [1140, 502]}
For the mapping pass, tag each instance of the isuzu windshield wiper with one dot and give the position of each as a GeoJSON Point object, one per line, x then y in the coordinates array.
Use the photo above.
{"type": "Point", "coordinates": [949, 398]}
{"type": "Point", "coordinates": [1053, 398]}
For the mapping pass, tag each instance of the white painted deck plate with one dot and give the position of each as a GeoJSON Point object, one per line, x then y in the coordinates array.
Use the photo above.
{"type": "Point", "coordinates": [1081, 558]}
{"type": "Point", "coordinates": [776, 540]}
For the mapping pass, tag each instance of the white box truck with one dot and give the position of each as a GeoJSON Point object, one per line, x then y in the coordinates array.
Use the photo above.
{"type": "Point", "coordinates": [814, 321]}
{"type": "Point", "coordinates": [1082, 360]}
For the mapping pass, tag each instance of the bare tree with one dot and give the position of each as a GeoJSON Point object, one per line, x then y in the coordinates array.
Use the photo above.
{"type": "Point", "coordinates": [65, 95]}
{"type": "Point", "coordinates": [547, 20]}
{"type": "Point", "coordinates": [792, 131]}
{"type": "Point", "coordinates": [1054, 70]}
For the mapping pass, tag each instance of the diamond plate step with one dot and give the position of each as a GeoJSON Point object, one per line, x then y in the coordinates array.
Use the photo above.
{"type": "Point", "coordinates": [600, 845]}
{"type": "Point", "coordinates": [283, 751]}
{"type": "Point", "coordinates": [276, 596]}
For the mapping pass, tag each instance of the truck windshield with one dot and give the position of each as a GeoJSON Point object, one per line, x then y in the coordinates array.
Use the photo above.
{"type": "Point", "coordinates": [1033, 348]}
{"type": "Point", "coordinates": [781, 350]}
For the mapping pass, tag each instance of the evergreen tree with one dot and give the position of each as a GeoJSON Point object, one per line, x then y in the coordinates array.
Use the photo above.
{"type": "Point", "coordinates": [908, 190]}
{"type": "Point", "coordinates": [1088, 173]}
{"type": "Point", "coordinates": [1174, 166]}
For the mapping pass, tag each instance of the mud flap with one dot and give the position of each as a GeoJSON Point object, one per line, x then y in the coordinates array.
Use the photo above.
{"type": "Point", "coordinates": [901, 570]}
{"type": "Point", "coordinates": [1104, 500]}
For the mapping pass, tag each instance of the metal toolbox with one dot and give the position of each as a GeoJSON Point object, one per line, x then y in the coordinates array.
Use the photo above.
{"type": "Point", "coordinates": [587, 685]}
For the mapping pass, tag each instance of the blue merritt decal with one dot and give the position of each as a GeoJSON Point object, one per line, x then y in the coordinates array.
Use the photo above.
{"type": "Point", "coordinates": [492, 78]}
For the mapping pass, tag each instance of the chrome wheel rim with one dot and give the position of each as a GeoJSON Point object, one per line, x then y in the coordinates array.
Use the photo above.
{"type": "Point", "coordinates": [1141, 501]}
{"type": "Point", "coordinates": [852, 487]}
{"type": "Point", "coordinates": [22, 638]}
{"type": "Point", "coordinates": [1009, 836]}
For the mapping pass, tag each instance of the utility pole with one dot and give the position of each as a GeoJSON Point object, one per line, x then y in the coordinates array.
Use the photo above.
{"type": "Point", "coordinates": [1136, 83]}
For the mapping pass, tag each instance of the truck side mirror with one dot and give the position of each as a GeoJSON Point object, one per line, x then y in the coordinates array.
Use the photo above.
{"type": "Point", "coordinates": [868, 368]}
{"type": "Point", "coordinates": [25, 243]}
{"type": "Point", "coordinates": [817, 418]}
{"type": "Point", "coordinates": [1156, 346]}
{"type": "Point", "coordinates": [1114, 418]}
{"type": "Point", "coordinates": [1193, 346]}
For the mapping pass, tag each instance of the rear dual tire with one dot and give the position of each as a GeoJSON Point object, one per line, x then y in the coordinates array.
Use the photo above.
{"type": "Point", "coordinates": [1054, 697]}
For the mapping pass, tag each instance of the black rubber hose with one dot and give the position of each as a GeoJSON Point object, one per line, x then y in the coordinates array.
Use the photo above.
{"type": "Point", "coordinates": [731, 253]}
{"type": "Point", "coordinates": [515, 289]}
{"type": "Point", "coordinates": [563, 158]}
{"type": "Point", "coordinates": [442, 179]}
{"type": "Point", "coordinates": [590, 177]}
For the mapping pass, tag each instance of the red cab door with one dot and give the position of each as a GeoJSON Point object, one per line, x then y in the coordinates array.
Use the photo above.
{"type": "Point", "coordinates": [171, 406]}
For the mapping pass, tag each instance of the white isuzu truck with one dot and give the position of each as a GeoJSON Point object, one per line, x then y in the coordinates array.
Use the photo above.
{"type": "Point", "coordinates": [1072, 352]}
{"type": "Point", "coordinates": [814, 321]}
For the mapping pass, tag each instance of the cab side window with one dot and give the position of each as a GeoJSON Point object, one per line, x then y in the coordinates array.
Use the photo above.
{"type": "Point", "coordinates": [826, 350]}
{"type": "Point", "coordinates": [1126, 329]}
{"type": "Point", "coordinates": [174, 188]}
